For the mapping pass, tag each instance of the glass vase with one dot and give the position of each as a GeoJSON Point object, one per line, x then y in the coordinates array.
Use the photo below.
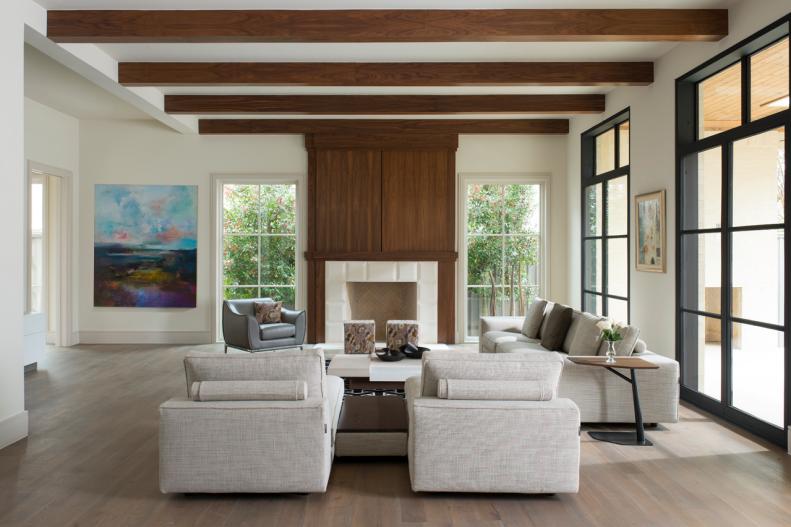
{"type": "Point", "coordinates": [610, 351]}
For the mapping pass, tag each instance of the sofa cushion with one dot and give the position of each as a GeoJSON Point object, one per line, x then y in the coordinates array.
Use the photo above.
{"type": "Point", "coordinates": [483, 366]}
{"type": "Point", "coordinates": [249, 391]}
{"type": "Point", "coordinates": [534, 318]}
{"type": "Point", "coordinates": [300, 365]}
{"type": "Point", "coordinates": [478, 390]}
{"type": "Point", "coordinates": [625, 346]}
{"type": "Point", "coordinates": [587, 336]}
{"type": "Point", "coordinates": [280, 330]}
{"type": "Point", "coordinates": [554, 334]}
{"type": "Point", "coordinates": [544, 322]}
{"type": "Point", "coordinates": [528, 346]}
{"type": "Point", "coordinates": [491, 340]}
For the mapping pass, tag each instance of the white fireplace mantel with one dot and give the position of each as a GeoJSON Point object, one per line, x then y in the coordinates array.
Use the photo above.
{"type": "Point", "coordinates": [336, 306]}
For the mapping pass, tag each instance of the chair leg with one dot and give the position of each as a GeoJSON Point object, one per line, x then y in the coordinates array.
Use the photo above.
{"type": "Point", "coordinates": [226, 349]}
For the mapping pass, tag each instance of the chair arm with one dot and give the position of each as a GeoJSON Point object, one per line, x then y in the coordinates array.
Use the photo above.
{"type": "Point", "coordinates": [512, 324]}
{"type": "Point", "coordinates": [298, 318]}
{"type": "Point", "coordinates": [239, 330]}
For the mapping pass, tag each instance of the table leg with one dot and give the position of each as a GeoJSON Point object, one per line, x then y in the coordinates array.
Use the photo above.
{"type": "Point", "coordinates": [627, 438]}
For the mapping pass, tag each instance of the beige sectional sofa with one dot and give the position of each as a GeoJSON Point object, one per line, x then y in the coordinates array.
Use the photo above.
{"type": "Point", "coordinates": [601, 396]}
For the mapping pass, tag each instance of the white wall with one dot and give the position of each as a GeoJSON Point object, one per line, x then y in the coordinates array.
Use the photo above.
{"type": "Point", "coordinates": [145, 152]}
{"type": "Point", "coordinates": [52, 138]}
{"type": "Point", "coordinates": [13, 417]}
{"type": "Point", "coordinates": [652, 164]}
{"type": "Point", "coordinates": [527, 154]}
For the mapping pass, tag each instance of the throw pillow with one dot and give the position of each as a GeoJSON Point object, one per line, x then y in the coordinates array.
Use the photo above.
{"type": "Point", "coordinates": [625, 346]}
{"type": "Point", "coordinates": [534, 318]}
{"type": "Point", "coordinates": [268, 312]}
{"type": "Point", "coordinates": [554, 334]}
{"type": "Point", "coordinates": [587, 338]}
{"type": "Point", "coordinates": [544, 322]}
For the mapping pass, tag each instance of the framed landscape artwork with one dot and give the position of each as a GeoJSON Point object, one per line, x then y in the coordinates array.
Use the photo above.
{"type": "Point", "coordinates": [651, 239]}
{"type": "Point", "coordinates": [145, 246]}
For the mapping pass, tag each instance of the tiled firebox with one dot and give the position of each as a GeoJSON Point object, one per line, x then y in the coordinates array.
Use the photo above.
{"type": "Point", "coordinates": [337, 309]}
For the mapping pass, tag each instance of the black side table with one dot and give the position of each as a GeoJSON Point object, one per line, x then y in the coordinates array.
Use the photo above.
{"type": "Point", "coordinates": [631, 363]}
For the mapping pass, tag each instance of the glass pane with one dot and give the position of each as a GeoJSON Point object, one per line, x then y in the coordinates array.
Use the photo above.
{"type": "Point", "coordinates": [617, 267]}
{"type": "Point", "coordinates": [623, 144]}
{"type": "Point", "coordinates": [278, 209]}
{"type": "Point", "coordinates": [484, 209]}
{"type": "Point", "coordinates": [759, 179]}
{"type": "Point", "coordinates": [593, 304]}
{"type": "Point", "coordinates": [240, 260]}
{"type": "Point", "coordinates": [481, 304]}
{"type": "Point", "coordinates": [702, 190]}
{"type": "Point", "coordinates": [279, 294]}
{"type": "Point", "coordinates": [594, 206]}
{"type": "Point", "coordinates": [720, 102]}
{"type": "Point", "coordinates": [36, 247]}
{"type": "Point", "coordinates": [522, 209]}
{"type": "Point", "coordinates": [769, 80]}
{"type": "Point", "coordinates": [521, 270]}
{"type": "Point", "coordinates": [701, 279]}
{"type": "Point", "coordinates": [278, 260]}
{"type": "Point", "coordinates": [617, 206]}
{"type": "Point", "coordinates": [593, 265]}
{"type": "Point", "coordinates": [701, 346]}
{"type": "Point", "coordinates": [605, 151]}
{"type": "Point", "coordinates": [240, 208]}
{"type": "Point", "coordinates": [232, 293]}
{"type": "Point", "coordinates": [758, 367]}
{"type": "Point", "coordinates": [758, 281]}
{"type": "Point", "coordinates": [618, 310]}
{"type": "Point", "coordinates": [484, 260]}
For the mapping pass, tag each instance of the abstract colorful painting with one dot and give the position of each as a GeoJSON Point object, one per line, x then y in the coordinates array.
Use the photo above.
{"type": "Point", "coordinates": [651, 234]}
{"type": "Point", "coordinates": [145, 246]}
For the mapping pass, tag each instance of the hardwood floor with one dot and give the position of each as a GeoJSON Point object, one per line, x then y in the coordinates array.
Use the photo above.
{"type": "Point", "coordinates": [91, 459]}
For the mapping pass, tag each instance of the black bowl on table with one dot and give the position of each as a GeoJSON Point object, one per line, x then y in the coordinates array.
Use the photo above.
{"type": "Point", "coordinates": [413, 351]}
{"type": "Point", "coordinates": [388, 355]}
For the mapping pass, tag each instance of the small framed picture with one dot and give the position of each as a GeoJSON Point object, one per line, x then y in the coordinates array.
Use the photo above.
{"type": "Point", "coordinates": [650, 232]}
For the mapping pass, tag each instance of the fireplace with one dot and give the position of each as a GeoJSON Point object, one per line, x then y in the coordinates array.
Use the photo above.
{"type": "Point", "coordinates": [380, 291]}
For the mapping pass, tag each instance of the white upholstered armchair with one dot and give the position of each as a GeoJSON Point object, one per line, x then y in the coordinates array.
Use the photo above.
{"type": "Point", "coordinates": [491, 423]}
{"type": "Point", "coordinates": [251, 423]}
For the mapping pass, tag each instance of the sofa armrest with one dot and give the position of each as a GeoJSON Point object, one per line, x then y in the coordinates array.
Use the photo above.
{"type": "Point", "coordinates": [298, 318]}
{"type": "Point", "coordinates": [239, 330]}
{"type": "Point", "coordinates": [512, 324]}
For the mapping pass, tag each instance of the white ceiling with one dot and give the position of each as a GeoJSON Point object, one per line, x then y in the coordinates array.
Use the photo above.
{"type": "Point", "coordinates": [52, 84]}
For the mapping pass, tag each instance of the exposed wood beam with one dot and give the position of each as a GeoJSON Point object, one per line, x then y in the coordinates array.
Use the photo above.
{"type": "Point", "coordinates": [388, 25]}
{"type": "Point", "coordinates": [383, 126]}
{"type": "Point", "coordinates": [386, 74]}
{"type": "Point", "coordinates": [384, 104]}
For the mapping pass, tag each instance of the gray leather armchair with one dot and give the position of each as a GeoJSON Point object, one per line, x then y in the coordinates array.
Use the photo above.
{"type": "Point", "coordinates": [241, 329]}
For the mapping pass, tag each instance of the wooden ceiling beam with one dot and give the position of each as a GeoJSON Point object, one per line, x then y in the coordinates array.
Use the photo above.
{"type": "Point", "coordinates": [383, 127]}
{"type": "Point", "coordinates": [386, 73]}
{"type": "Point", "coordinates": [388, 25]}
{"type": "Point", "coordinates": [384, 104]}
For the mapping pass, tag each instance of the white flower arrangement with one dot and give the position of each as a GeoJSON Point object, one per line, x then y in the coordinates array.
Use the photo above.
{"type": "Point", "coordinates": [610, 331]}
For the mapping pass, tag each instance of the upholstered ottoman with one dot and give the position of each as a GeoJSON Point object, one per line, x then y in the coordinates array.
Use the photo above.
{"type": "Point", "coordinates": [399, 332]}
{"type": "Point", "coordinates": [359, 336]}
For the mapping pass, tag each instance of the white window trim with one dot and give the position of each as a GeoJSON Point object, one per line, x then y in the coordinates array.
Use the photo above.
{"type": "Point", "coordinates": [218, 181]}
{"type": "Point", "coordinates": [465, 179]}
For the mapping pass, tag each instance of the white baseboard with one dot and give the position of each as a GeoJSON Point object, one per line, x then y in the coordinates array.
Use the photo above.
{"type": "Point", "coordinates": [13, 428]}
{"type": "Point", "coordinates": [145, 337]}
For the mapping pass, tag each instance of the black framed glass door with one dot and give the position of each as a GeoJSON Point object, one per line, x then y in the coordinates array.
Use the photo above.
{"type": "Point", "coordinates": [733, 136]}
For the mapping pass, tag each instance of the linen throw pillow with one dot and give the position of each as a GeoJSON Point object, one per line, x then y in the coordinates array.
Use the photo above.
{"type": "Point", "coordinates": [553, 335]}
{"type": "Point", "coordinates": [268, 312]}
{"type": "Point", "coordinates": [534, 317]}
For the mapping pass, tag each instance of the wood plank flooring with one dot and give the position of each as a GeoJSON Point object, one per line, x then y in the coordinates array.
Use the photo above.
{"type": "Point", "coordinates": [91, 459]}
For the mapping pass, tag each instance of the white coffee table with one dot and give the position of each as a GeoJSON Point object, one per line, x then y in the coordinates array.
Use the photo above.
{"type": "Point", "coordinates": [371, 368]}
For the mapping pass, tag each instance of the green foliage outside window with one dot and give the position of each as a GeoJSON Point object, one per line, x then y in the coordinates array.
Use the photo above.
{"type": "Point", "coordinates": [259, 241]}
{"type": "Point", "coordinates": [503, 241]}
